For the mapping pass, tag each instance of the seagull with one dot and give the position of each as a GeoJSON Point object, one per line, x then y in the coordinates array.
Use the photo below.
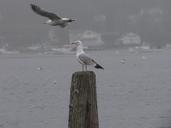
{"type": "Point", "coordinates": [54, 20]}
{"type": "Point", "coordinates": [83, 58]}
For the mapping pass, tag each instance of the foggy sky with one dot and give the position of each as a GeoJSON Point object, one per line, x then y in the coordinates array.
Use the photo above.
{"type": "Point", "coordinates": [16, 17]}
{"type": "Point", "coordinates": [18, 12]}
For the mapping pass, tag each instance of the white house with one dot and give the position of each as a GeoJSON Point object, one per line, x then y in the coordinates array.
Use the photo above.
{"type": "Point", "coordinates": [131, 39]}
{"type": "Point", "coordinates": [89, 38]}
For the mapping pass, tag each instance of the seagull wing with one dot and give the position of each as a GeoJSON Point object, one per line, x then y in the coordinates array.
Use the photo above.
{"type": "Point", "coordinates": [86, 59]}
{"type": "Point", "coordinates": [44, 13]}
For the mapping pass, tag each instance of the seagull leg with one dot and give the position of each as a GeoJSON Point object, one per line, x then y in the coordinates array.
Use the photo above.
{"type": "Point", "coordinates": [85, 67]}
{"type": "Point", "coordinates": [82, 67]}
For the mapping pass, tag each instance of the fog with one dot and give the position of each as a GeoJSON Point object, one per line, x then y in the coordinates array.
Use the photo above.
{"type": "Point", "coordinates": [150, 19]}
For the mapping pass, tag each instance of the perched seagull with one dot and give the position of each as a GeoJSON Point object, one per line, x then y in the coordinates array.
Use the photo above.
{"type": "Point", "coordinates": [83, 58]}
{"type": "Point", "coordinates": [54, 20]}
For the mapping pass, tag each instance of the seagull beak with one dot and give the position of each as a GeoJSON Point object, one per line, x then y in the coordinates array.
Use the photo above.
{"type": "Point", "coordinates": [74, 45]}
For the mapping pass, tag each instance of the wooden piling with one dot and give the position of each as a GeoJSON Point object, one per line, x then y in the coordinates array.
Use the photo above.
{"type": "Point", "coordinates": [83, 111]}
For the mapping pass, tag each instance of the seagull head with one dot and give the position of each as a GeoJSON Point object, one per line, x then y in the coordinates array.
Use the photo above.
{"type": "Point", "coordinates": [68, 19]}
{"type": "Point", "coordinates": [77, 43]}
{"type": "Point", "coordinates": [71, 20]}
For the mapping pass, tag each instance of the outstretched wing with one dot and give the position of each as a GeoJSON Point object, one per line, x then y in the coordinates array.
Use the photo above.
{"type": "Point", "coordinates": [44, 13]}
{"type": "Point", "coordinates": [86, 59]}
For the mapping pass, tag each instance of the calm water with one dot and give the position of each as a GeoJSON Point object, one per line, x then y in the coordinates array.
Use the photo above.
{"type": "Point", "coordinates": [134, 90]}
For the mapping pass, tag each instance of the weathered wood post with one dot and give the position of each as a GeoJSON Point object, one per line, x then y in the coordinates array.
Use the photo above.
{"type": "Point", "coordinates": [83, 111]}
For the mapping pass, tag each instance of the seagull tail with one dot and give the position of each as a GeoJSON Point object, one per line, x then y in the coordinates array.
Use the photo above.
{"type": "Point", "coordinates": [98, 66]}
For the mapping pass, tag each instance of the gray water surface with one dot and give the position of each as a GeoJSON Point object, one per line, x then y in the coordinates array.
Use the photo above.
{"type": "Point", "coordinates": [136, 93]}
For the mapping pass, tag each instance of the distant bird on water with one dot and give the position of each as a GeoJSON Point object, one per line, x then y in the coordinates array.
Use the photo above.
{"type": "Point", "coordinates": [83, 58]}
{"type": "Point", "coordinates": [54, 20]}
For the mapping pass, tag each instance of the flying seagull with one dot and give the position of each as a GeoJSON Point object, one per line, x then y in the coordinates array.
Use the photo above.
{"type": "Point", "coordinates": [54, 20]}
{"type": "Point", "coordinates": [83, 58]}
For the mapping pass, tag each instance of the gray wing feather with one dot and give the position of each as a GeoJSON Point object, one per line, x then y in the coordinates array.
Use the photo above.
{"type": "Point", "coordinates": [44, 13]}
{"type": "Point", "coordinates": [86, 59]}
